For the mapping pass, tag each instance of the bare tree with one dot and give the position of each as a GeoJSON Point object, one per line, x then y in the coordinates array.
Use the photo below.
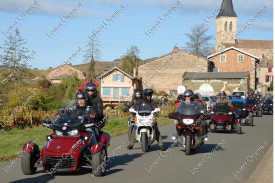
{"type": "Point", "coordinates": [198, 43]}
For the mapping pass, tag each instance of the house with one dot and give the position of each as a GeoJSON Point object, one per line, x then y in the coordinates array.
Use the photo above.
{"type": "Point", "coordinates": [117, 86]}
{"type": "Point", "coordinates": [264, 76]}
{"type": "Point", "coordinates": [237, 55]}
{"type": "Point", "coordinates": [164, 73]}
{"type": "Point", "coordinates": [57, 74]}
{"type": "Point", "coordinates": [235, 60]}
{"type": "Point", "coordinates": [209, 83]}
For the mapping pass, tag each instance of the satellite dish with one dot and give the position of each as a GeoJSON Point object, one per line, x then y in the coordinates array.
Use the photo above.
{"type": "Point", "coordinates": [181, 89]}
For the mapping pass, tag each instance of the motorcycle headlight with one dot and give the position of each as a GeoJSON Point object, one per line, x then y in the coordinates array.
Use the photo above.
{"type": "Point", "coordinates": [244, 109]}
{"type": "Point", "coordinates": [212, 112]}
{"type": "Point", "coordinates": [270, 104]}
{"type": "Point", "coordinates": [255, 105]}
{"type": "Point", "coordinates": [58, 133]}
{"type": "Point", "coordinates": [73, 133]}
{"type": "Point", "coordinates": [188, 121]}
{"type": "Point", "coordinates": [230, 113]}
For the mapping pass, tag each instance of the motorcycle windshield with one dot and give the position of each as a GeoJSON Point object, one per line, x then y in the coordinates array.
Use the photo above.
{"type": "Point", "coordinates": [193, 108]}
{"type": "Point", "coordinates": [221, 108]}
{"type": "Point", "coordinates": [145, 109]}
{"type": "Point", "coordinates": [238, 105]}
{"type": "Point", "coordinates": [250, 102]}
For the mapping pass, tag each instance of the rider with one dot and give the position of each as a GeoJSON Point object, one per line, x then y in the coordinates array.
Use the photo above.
{"type": "Point", "coordinates": [136, 101]}
{"type": "Point", "coordinates": [94, 99]}
{"type": "Point", "coordinates": [88, 112]}
{"type": "Point", "coordinates": [222, 99]}
{"type": "Point", "coordinates": [238, 98]}
{"type": "Point", "coordinates": [189, 100]}
{"type": "Point", "coordinates": [147, 98]}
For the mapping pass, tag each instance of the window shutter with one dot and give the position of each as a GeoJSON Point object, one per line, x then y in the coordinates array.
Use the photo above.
{"type": "Point", "coordinates": [114, 77]}
{"type": "Point", "coordinates": [122, 77]}
{"type": "Point", "coordinates": [269, 69]}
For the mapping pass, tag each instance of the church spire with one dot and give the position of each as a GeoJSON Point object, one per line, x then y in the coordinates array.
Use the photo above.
{"type": "Point", "coordinates": [227, 9]}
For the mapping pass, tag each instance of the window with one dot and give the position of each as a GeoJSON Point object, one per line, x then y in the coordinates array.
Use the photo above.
{"type": "Point", "coordinates": [263, 56]}
{"type": "Point", "coordinates": [223, 58]}
{"type": "Point", "coordinates": [230, 27]}
{"type": "Point", "coordinates": [240, 58]}
{"type": "Point", "coordinates": [225, 26]}
{"type": "Point", "coordinates": [106, 91]}
{"type": "Point", "coordinates": [125, 91]}
{"type": "Point", "coordinates": [269, 69]}
{"type": "Point", "coordinates": [173, 92]}
{"type": "Point", "coordinates": [118, 77]}
{"type": "Point", "coordinates": [215, 69]}
{"type": "Point", "coordinates": [266, 78]}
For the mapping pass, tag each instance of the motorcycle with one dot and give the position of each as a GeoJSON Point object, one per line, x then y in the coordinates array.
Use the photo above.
{"type": "Point", "coordinates": [222, 118]}
{"type": "Point", "coordinates": [240, 115]}
{"type": "Point", "coordinates": [131, 121]}
{"type": "Point", "coordinates": [252, 105]}
{"type": "Point", "coordinates": [190, 125]}
{"type": "Point", "coordinates": [145, 125]}
{"type": "Point", "coordinates": [71, 145]}
{"type": "Point", "coordinates": [267, 107]}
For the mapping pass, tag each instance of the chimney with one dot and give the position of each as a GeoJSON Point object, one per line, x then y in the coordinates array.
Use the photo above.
{"type": "Point", "coordinates": [175, 49]}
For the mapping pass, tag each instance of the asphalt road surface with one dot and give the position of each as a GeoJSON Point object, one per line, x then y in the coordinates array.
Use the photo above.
{"type": "Point", "coordinates": [224, 158]}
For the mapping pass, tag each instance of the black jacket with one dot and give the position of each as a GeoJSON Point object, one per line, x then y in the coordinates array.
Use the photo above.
{"type": "Point", "coordinates": [152, 103]}
{"type": "Point", "coordinates": [97, 103]}
{"type": "Point", "coordinates": [135, 103]}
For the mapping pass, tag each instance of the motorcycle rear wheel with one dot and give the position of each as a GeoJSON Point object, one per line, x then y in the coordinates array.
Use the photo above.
{"type": "Point", "coordinates": [144, 141]}
{"type": "Point", "coordinates": [188, 143]}
{"type": "Point", "coordinates": [239, 129]}
{"type": "Point", "coordinates": [251, 121]}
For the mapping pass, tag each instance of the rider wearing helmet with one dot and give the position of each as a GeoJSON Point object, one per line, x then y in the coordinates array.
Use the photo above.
{"type": "Point", "coordinates": [147, 98]}
{"type": "Point", "coordinates": [222, 99]}
{"type": "Point", "coordinates": [238, 98]}
{"type": "Point", "coordinates": [88, 112]}
{"type": "Point", "coordinates": [94, 100]}
{"type": "Point", "coordinates": [136, 101]}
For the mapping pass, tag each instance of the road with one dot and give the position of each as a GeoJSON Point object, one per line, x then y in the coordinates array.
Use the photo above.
{"type": "Point", "coordinates": [223, 159]}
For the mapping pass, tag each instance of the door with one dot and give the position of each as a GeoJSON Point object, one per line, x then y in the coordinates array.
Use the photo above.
{"type": "Point", "coordinates": [115, 94]}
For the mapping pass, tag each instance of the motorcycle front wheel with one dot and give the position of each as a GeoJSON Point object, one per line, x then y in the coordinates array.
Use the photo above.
{"type": "Point", "coordinates": [144, 141]}
{"type": "Point", "coordinates": [188, 143]}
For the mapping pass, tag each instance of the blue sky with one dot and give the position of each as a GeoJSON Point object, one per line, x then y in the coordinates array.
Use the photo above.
{"type": "Point", "coordinates": [131, 19]}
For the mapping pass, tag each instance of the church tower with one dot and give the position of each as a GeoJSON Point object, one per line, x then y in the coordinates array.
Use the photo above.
{"type": "Point", "coordinates": [226, 25]}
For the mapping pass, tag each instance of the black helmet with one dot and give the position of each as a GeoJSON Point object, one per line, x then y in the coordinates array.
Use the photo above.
{"type": "Point", "coordinates": [138, 92]}
{"type": "Point", "coordinates": [238, 95]}
{"type": "Point", "coordinates": [80, 95]}
{"type": "Point", "coordinates": [91, 87]}
{"type": "Point", "coordinates": [148, 92]}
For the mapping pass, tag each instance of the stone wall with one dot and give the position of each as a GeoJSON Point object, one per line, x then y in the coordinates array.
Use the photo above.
{"type": "Point", "coordinates": [165, 73]}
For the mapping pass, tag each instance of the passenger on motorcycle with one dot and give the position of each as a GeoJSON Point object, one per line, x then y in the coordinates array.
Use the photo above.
{"type": "Point", "coordinates": [94, 100]}
{"type": "Point", "coordinates": [136, 101]}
